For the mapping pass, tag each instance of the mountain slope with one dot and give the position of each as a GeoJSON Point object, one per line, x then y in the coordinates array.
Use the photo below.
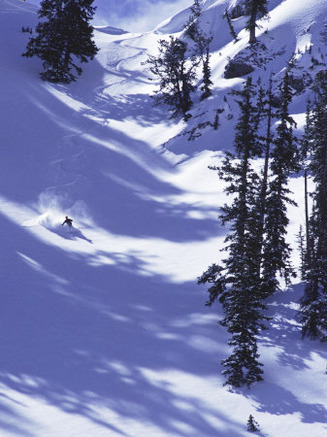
{"type": "Point", "coordinates": [103, 328]}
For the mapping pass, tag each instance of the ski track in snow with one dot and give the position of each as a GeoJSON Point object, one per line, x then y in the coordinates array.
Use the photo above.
{"type": "Point", "coordinates": [103, 328]}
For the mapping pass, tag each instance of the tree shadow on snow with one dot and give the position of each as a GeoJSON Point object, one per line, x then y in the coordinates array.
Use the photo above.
{"type": "Point", "coordinates": [276, 400]}
{"type": "Point", "coordinates": [76, 335]}
{"type": "Point", "coordinates": [285, 330]}
{"type": "Point", "coordinates": [140, 107]}
{"type": "Point", "coordinates": [293, 352]}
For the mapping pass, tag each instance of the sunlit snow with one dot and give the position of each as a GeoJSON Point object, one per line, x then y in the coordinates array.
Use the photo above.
{"type": "Point", "coordinates": [104, 330]}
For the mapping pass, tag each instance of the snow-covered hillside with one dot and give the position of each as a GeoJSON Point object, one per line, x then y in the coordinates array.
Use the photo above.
{"type": "Point", "coordinates": [104, 331]}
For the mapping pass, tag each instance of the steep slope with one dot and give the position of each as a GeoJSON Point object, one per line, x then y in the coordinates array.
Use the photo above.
{"type": "Point", "coordinates": [103, 328]}
{"type": "Point", "coordinates": [290, 34]}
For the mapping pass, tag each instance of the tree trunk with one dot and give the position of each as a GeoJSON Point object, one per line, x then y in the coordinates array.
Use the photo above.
{"type": "Point", "coordinates": [252, 25]}
{"type": "Point", "coordinates": [307, 226]}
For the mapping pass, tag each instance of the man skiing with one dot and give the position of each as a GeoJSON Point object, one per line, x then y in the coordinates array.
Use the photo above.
{"type": "Point", "coordinates": [68, 222]}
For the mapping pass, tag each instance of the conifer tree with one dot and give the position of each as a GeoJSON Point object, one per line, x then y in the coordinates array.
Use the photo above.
{"type": "Point", "coordinates": [313, 312]}
{"type": "Point", "coordinates": [236, 283]}
{"type": "Point", "coordinates": [64, 36]}
{"type": "Point", "coordinates": [254, 9]}
{"type": "Point", "coordinates": [284, 161]}
{"type": "Point", "coordinates": [264, 113]}
{"type": "Point", "coordinates": [230, 25]}
{"type": "Point", "coordinates": [207, 83]}
{"type": "Point", "coordinates": [305, 152]}
{"type": "Point", "coordinates": [201, 47]}
{"type": "Point", "coordinates": [300, 238]}
{"type": "Point", "coordinates": [191, 27]}
{"type": "Point", "coordinates": [176, 74]}
{"type": "Point", "coordinates": [252, 425]}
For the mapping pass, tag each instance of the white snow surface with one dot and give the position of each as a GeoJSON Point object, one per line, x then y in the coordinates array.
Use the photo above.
{"type": "Point", "coordinates": [104, 330]}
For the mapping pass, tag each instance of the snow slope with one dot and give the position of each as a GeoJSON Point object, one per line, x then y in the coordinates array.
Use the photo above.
{"type": "Point", "coordinates": [103, 328]}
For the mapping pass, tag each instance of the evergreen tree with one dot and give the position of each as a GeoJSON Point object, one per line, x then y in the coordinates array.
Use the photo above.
{"type": "Point", "coordinates": [230, 25]}
{"type": "Point", "coordinates": [313, 312]}
{"type": "Point", "coordinates": [264, 113]}
{"type": "Point", "coordinates": [191, 27]}
{"type": "Point", "coordinates": [305, 151]}
{"type": "Point", "coordinates": [284, 161]}
{"type": "Point", "coordinates": [301, 246]}
{"type": "Point", "coordinates": [252, 425]}
{"type": "Point", "coordinates": [206, 70]}
{"type": "Point", "coordinates": [64, 35]}
{"type": "Point", "coordinates": [176, 74]}
{"type": "Point", "coordinates": [254, 9]}
{"type": "Point", "coordinates": [236, 284]}
{"type": "Point", "coordinates": [201, 47]}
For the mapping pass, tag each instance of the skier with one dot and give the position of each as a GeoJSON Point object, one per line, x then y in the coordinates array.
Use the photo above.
{"type": "Point", "coordinates": [68, 221]}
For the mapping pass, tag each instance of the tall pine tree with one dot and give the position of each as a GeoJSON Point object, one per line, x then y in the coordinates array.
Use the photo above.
{"type": "Point", "coordinates": [64, 36]}
{"type": "Point", "coordinates": [254, 9]}
{"type": "Point", "coordinates": [206, 86]}
{"type": "Point", "coordinates": [284, 161]}
{"type": "Point", "coordinates": [201, 47]}
{"type": "Point", "coordinates": [191, 27]}
{"type": "Point", "coordinates": [236, 283]}
{"type": "Point", "coordinates": [264, 114]}
{"type": "Point", "coordinates": [305, 153]}
{"type": "Point", "coordinates": [176, 74]}
{"type": "Point", "coordinates": [313, 311]}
